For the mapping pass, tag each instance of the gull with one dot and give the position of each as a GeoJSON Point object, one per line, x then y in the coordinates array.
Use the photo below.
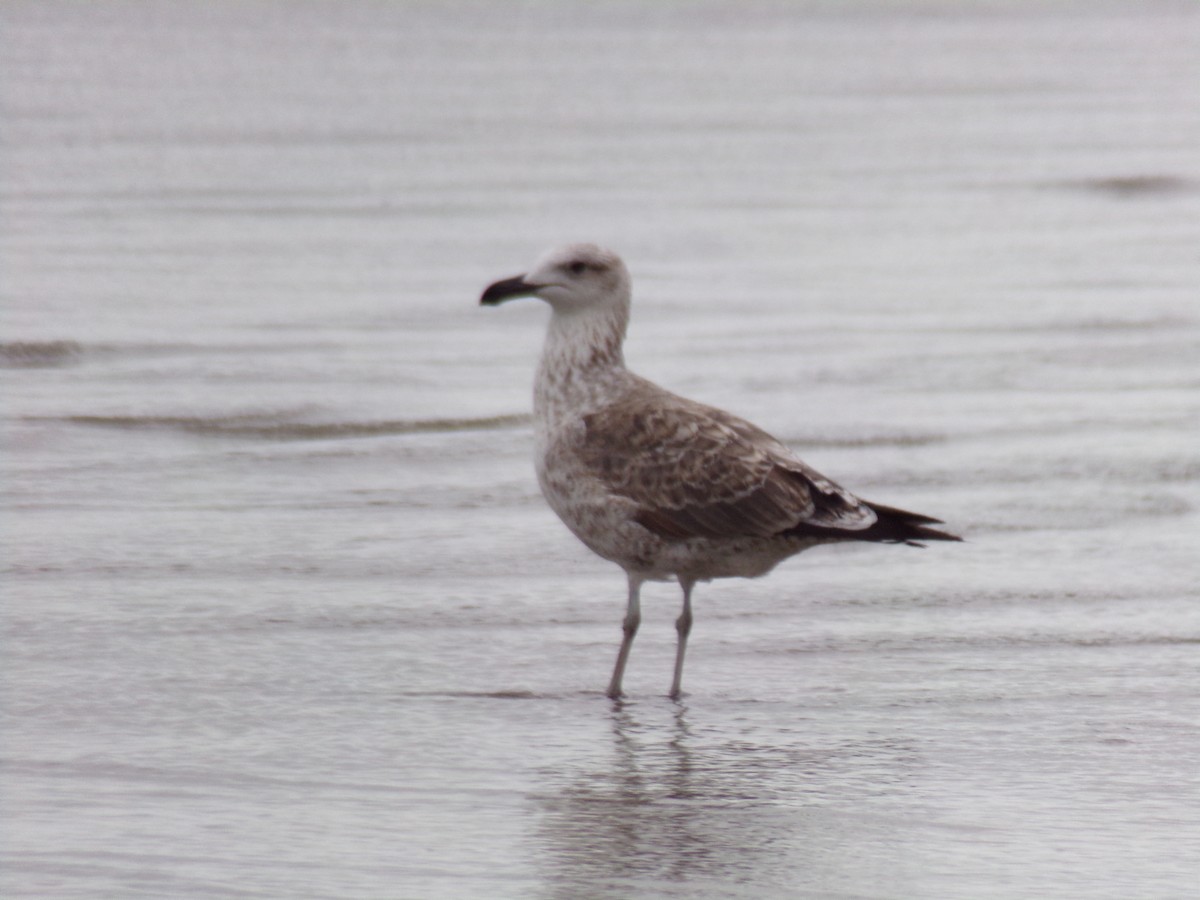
{"type": "Point", "coordinates": [665, 487]}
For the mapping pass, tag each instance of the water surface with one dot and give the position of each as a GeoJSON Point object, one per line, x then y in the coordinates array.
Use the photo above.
{"type": "Point", "coordinates": [284, 614]}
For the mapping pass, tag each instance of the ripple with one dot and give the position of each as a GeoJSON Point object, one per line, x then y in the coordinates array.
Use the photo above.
{"type": "Point", "coordinates": [275, 427]}
{"type": "Point", "coordinates": [39, 354]}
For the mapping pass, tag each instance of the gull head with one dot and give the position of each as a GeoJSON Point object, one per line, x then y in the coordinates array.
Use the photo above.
{"type": "Point", "coordinates": [574, 278]}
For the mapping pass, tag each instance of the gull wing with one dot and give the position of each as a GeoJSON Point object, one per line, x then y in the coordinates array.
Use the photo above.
{"type": "Point", "coordinates": [695, 471]}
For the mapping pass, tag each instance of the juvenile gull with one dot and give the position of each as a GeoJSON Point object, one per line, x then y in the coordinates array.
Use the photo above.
{"type": "Point", "coordinates": [663, 486]}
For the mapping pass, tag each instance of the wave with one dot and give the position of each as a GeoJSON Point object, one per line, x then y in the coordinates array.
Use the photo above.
{"type": "Point", "coordinates": [39, 354]}
{"type": "Point", "coordinates": [266, 427]}
{"type": "Point", "coordinates": [867, 440]}
{"type": "Point", "coordinates": [1142, 185]}
{"type": "Point", "coordinates": [35, 353]}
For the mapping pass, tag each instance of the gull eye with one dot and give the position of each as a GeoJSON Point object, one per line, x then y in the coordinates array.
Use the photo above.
{"type": "Point", "coordinates": [577, 267]}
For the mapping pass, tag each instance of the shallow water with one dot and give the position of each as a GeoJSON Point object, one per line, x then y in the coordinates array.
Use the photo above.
{"type": "Point", "coordinates": [284, 614]}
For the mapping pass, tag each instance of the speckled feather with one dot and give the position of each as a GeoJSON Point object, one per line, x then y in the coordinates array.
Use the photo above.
{"type": "Point", "coordinates": [696, 471]}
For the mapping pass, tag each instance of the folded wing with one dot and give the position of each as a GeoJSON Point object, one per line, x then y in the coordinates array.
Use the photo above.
{"type": "Point", "coordinates": [695, 471]}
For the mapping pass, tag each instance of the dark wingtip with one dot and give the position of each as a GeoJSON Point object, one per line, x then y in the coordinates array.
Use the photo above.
{"type": "Point", "coordinates": [508, 289]}
{"type": "Point", "coordinates": [928, 534]}
{"type": "Point", "coordinates": [906, 527]}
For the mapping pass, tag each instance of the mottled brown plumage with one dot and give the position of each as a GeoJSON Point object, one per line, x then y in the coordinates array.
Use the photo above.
{"type": "Point", "coordinates": [696, 471]}
{"type": "Point", "coordinates": [661, 485]}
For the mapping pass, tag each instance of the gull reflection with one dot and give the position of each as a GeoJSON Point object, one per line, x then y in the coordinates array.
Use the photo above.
{"type": "Point", "coordinates": [669, 806]}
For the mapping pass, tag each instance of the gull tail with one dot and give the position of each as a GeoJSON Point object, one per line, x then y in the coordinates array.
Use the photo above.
{"type": "Point", "coordinates": [898, 526]}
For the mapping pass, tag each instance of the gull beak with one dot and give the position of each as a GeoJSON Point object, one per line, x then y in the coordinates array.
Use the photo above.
{"type": "Point", "coordinates": [508, 289]}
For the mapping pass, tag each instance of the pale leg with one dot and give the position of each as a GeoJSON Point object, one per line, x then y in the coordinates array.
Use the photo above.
{"type": "Point", "coordinates": [633, 618]}
{"type": "Point", "coordinates": [683, 625]}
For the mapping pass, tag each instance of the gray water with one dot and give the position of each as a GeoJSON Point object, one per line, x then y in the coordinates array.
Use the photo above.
{"type": "Point", "coordinates": [284, 615]}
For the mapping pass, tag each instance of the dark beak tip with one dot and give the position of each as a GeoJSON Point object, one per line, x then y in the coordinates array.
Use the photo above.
{"type": "Point", "coordinates": [508, 289]}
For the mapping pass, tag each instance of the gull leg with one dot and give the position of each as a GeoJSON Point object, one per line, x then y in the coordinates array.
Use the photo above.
{"type": "Point", "coordinates": [683, 625]}
{"type": "Point", "coordinates": [633, 618]}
